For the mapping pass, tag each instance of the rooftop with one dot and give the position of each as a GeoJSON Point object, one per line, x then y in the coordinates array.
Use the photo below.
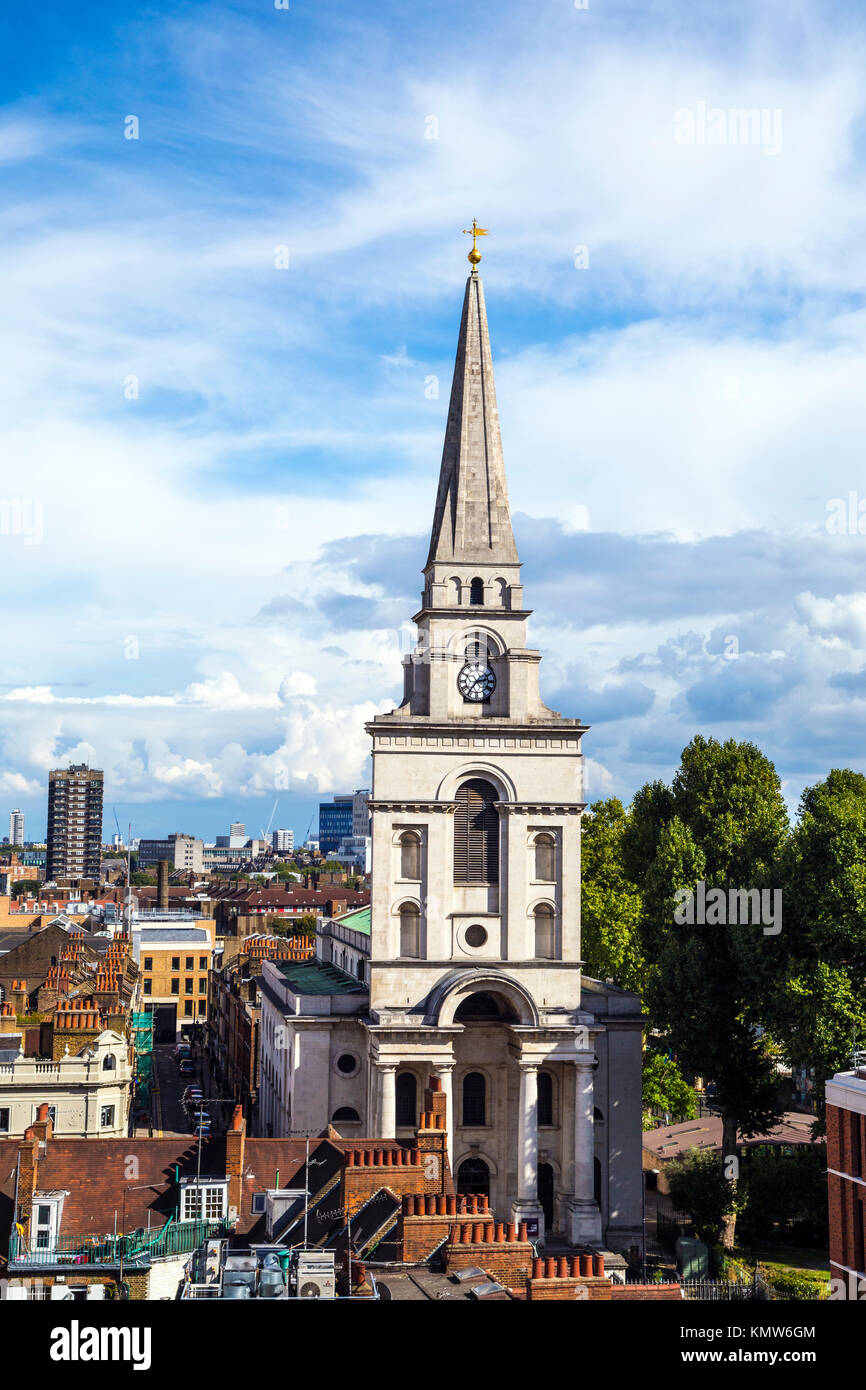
{"type": "Point", "coordinates": [358, 920]}
{"type": "Point", "coordinates": [154, 935]}
{"type": "Point", "coordinates": [315, 977]}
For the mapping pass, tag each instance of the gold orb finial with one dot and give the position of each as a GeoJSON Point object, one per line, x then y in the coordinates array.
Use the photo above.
{"type": "Point", "coordinates": [474, 231]}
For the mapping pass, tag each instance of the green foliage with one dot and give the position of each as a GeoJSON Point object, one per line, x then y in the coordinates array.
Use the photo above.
{"type": "Point", "coordinates": [610, 904]}
{"type": "Point", "coordinates": [815, 1001]}
{"type": "Point", "coordinates": [785, 1195]}
{"type": "Point", "coordinates": [25, 887]}
{"type": "Point", "coordinates": [143, 879]}
{"type": "Point", "coordinates": [799, 1284]}
{"type": "Point", "coordinates": [698, 1186]}
{"type": "Point", "coordinates": [665, 1087]}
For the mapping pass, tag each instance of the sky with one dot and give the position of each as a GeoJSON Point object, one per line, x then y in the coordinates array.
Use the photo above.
{"type": "Point", "coordinates": [231, 281]}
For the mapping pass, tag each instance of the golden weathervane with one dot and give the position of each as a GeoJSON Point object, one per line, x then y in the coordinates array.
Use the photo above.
{"type": "Point", "coordinates": [475, 231]}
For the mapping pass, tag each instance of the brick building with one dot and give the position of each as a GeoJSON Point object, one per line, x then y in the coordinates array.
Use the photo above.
{"type": "Point", "coordinates": [846, 1178]}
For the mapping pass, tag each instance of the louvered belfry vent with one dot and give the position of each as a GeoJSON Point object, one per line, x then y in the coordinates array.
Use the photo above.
{"type": "Point", "coordinates": [476, 833]}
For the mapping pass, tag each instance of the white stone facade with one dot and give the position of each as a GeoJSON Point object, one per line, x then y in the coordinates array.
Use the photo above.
{"type": "Point", "coordinates": [475, 964]}
{"type": "Point", "coordinates": [83, 1091]}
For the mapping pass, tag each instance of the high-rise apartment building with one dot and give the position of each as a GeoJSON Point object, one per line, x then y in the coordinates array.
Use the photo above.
{"type": "Point", "coordinates": [74, 837]}
{"type": "Point", "coordinates": [16, 827]}
{"type": "Point", "coordinates": [283, 841]}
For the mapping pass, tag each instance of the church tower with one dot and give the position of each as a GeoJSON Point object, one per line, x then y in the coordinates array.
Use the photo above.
{"type": "Point", "coordinates": [475, 964]}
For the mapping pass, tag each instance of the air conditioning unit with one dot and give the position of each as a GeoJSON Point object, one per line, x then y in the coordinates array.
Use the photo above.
{"type": "Point", "coordinates": [314, 1274]}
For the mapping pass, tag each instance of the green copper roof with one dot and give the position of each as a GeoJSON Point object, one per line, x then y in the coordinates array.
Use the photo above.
{"type": "Point", "coordinates": [316, 977]}
{"type": "Point", "coordinates": [359, 920]}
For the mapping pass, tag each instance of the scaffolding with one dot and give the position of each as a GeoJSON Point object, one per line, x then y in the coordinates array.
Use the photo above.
{"type": "Point", "coordinates": [142, 1037]}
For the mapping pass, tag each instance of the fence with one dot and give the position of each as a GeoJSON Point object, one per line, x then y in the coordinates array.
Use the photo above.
{"type": "Point", "coordinates": [175, 1238]}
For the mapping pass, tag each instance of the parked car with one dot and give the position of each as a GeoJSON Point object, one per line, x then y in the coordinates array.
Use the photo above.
{"type": "Point", "coordinates": [182, 1050]}
{"type": "Point", "coordinates": [185, 1067]}
{"type": "Point", "coordinates": [193, 1093]}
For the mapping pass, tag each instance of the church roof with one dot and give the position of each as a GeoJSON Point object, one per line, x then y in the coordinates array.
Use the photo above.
{"type": "Point", "coordinates": [472, 521]}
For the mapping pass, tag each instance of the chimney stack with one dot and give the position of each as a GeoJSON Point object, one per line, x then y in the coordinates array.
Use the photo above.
{"type": "Point", "coordinates": [162, 885]}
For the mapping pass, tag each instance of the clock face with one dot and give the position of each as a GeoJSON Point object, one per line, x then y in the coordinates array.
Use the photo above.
{"type": "Point", "coordinates": [476, 681]}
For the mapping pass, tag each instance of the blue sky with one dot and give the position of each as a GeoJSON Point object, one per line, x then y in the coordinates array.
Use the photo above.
{"type": "Point", "coordinates": [219, 472]}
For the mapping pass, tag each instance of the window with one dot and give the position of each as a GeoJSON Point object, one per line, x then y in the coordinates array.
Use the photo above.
{"type": "Point", "coordinates": [148, 986]}
{"type": "Point", "coordinates": [202, 1005]}
{"type": "Point", "coordinates": [545, 858]}
{"type": "Point", "coordinates": [410, 856]}
{"type": "Point", "coordinates": [204, 1201]}
{"type": "Point", "coordinates": [545, 1098]}
{"type": "Point", "coordinates": [148, 962]}
{"type": "Point", "coordinates": [175, 962]}
{"type": "Point", "coordinates": [476, 591]}
{"type": "Point", "coordinates": [410, 931]}
{"type": "Point", "coordinates": [202, 986]}
{"type": "Point", "coordinates": [4, 1119]}
{"type": "Point", "coordinates": [202, 962]}
{"type": "Point", "coordinates": [187, 985]}
{"type": "Point", "coordinates": [347, 1063]}
{"type": "Point", "coordinates": [476, 935]}
{"type": "Point", "coordinates": [190, 963]}
{"type": "Point", "coordinates": [175, 986]}
{"type": "Point", "coordinates": [259, 1203]}
{"type": "Point", "coordinates": [545, 932]}
{"type": "Point", "coordinates": [407, 1099]}
{"type": "Point", "coordinates": [187, 1009]}
{"type": "Point", "coordinates": [474, 1098]}
{"type": "Point", "coordinates": [109, 1062]}
{"type": "Point", "coordinates": [106, 1117]}
{"type": "Point", "coordinates": [476, 834]}
{"type": "Point", "coordinates": [347, 1115]}
{"type": "Point", "coordinates": [359, 966]}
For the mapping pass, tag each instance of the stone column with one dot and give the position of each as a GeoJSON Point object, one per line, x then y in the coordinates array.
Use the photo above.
{"type": "Point", "coordinates": [387, 1099]}
{"type": "Point", "coordinates": [526, 1206]}
{"type": "Point", "coordinates": [583, 1215]}
{"type": "Point", "coordinates": [445, 1070]}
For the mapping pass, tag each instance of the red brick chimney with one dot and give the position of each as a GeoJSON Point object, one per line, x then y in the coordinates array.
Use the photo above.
{"type": "Point", "coordinates": [235, 1139]}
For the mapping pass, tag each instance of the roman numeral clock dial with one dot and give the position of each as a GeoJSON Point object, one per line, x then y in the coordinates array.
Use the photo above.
{"type": "Point", "coordinates": [476, 681]}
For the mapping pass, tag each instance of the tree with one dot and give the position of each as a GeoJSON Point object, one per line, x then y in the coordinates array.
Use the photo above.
{"type": "Point", "coordinates": [727, 830]}
{"type": "Point", "coordinates": [665, 1088]}
{"type": "Point", "coordinates": [610, 904]}
{"type": "Point", "coordinates": [815, 1002]}
{"type": "Point", "coordinates": [698, 1186]}
{"type": "Point", "coordinates": [142, 879]}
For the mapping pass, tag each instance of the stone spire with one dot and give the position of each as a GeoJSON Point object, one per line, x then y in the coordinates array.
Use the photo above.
{"type": "Point", "coordinates": [472, 522]}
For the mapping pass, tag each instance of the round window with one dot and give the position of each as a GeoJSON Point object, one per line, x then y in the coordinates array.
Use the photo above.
{"type": "Point", "coordinates": [347, 1063]}
{"type": "Point", "coordinates": [476, 935]}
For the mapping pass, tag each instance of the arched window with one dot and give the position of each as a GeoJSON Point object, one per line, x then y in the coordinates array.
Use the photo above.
{"type": "Point", "coordinates": [109, 1062]}
{"type": "Point", "coordinates": [502, 592]}
{"type": "Point", "coordinates": [410, 855]}
{"type": "Point", "coordinates": [545, 932]}
{"type": "Point", "coordinates": [545, 858]}
{"type": "Point", "coordinates": [410, 931]}
{"type": "Point", "coordinates": [474, 1098]}
{"type": "Point", "coordinates": [476, 591]}
{"type": "Point", "coordinates": [545, 1098]}
{"type": "Point", "coordinates": [476, 833]}
{"type": "Point", "coordinates": [473, 1178]}
{"type": "Point", "coordinates": [346, 1114]}
{"type": "Point", "coordinates": [456, 590]}
{"type": "Point", "coordinates": [407, 1098]}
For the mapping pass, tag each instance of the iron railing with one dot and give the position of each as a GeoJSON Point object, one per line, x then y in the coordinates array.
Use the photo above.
{"type": "Point", "coordinates": [175, 1238]}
